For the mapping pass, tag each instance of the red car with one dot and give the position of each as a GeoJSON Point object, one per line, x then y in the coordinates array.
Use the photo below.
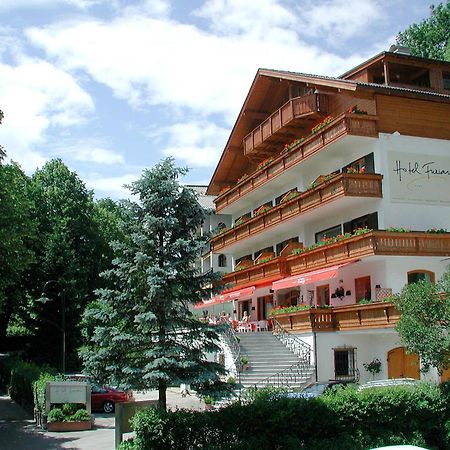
{"type": "Point", "coordinates": [105, 398]}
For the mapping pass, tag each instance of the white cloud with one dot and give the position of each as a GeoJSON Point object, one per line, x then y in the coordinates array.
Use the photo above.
{"type": "Point", "coordinates": [35, 96]}
{"type": "Point", "coordinates": [199, 144]}
{"type": "Point", "coordinates": [98, 156]}
{"type": "Point", "coordinates": [88, 150]}
{"type": "Point", "coordinates": [6, 5]}
{"type": "Point", "coordinates": [163, 62]}
{"type": "Point", "coordinates": [113, 186]}
{"type": "Point", "coordinates": [338, 20]}
{"type": "Point", "coordinates": [235, 15]}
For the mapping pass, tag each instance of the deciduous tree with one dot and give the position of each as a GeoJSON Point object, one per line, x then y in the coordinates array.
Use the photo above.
{"type": "Point", "coordinates": [431, 37]}
{"type": "Point", "coordinates": [424, 324]}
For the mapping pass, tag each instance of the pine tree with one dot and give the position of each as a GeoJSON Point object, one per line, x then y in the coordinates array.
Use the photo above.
{"type": "Point", "coordinates": [142, 332]}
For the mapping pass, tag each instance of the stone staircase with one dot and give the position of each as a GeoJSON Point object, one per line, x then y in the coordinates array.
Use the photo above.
{"type": "Point", "coordinates": [269, 358]}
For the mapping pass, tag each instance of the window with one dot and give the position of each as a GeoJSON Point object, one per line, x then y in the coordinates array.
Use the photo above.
{"type": "Point", "coordinates": [420, 275]}
{"type": "Point", "coordinates": [222, 260]}
{"type": "Point", "coordinates": [281, 245]}
{"type": "Point", "coordinates": [446, 80]}
{"type": "Point", "coordinates": [363, 289]}
{"type": "Point", "coordinates": [264, 250]}
{"type": "Point", "coordinates": [329, 233]}
{"type": "Point", "coordinates": [369, 221]}
{"type": "Point", "coordinates": [361, 165]}
{"type": "Point", "coordinates": [344, 363]}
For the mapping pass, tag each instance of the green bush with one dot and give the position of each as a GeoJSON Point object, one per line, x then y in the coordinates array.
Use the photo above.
{"type": "Point", "coordinates": [55, 415]}
{"type": "Point", "coordinates": [343, 419]}
{"type": "Point", "coordinates": [79, 416]}
{"type": "Point", "coordinates": [39, 387]}
{"type": "Point", "coordinates": [23, 374]}
{"type": "Point", "coordinates": [69, 409]}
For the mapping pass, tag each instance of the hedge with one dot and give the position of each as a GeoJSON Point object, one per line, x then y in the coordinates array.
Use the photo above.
{"type": "Point", "coordinates": [341, 420]}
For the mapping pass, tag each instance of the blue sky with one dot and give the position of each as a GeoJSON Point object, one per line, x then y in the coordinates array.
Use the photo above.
{"type": "Point", "coordinates": [113, 86]}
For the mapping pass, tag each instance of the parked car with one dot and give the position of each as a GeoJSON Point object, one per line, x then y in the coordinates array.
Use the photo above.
{"type": "Point", "coordinates": [318, 389]}
{"type": "Point", "coordinates": [388, 382]}
{"type": "Point", "coordinates": [103, 398]}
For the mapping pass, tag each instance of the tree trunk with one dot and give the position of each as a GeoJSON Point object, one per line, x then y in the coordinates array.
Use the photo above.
{"type": "Point", "coordinates": [162, 400]}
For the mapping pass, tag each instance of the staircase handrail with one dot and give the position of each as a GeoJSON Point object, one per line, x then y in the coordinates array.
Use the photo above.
{"type": "Point", "coordinates": [233, 343]}
{"type": "Point", "coordinates": [299, 374]}
{"type": "Point", "coordinates": [302, 349]}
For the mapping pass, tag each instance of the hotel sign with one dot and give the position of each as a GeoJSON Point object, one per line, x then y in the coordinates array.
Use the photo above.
{"type": "Point", "coordinates": [418, 178]}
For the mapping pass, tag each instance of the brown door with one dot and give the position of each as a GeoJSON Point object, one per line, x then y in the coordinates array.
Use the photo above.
{"type": "Point", "coordinates": [402, 364]}
{"type": "Point", "coordinates": [445, 375]}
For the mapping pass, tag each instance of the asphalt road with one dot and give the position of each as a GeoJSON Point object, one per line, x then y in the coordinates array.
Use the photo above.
{"type": "Point", "coordinates": [17, 430]}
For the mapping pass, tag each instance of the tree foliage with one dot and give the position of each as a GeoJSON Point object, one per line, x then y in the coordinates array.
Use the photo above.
{"type": "Point", "coordinates": [18, 228]}
{"type": "Point", "coordinates": [431, 37]}
{"type": "Point", "coordinates": [424, 325]}
{"type": "Point", "coordinates": [68, 250]}
{"type": "Point", "coordinates": [143, 334]}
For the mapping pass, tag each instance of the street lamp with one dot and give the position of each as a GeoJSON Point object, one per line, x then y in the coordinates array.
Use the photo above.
{"type": "Point", "coordinates": [44, 299]}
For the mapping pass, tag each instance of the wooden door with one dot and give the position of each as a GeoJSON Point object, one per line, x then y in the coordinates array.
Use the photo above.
{"type": "Point", "coordinates": [402, 364]}
{"type": "Point", "coordinates": [445, 375]}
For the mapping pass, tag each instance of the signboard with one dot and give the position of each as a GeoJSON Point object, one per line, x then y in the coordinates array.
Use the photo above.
{"type": "Point", "coordinates": [124, 412]}
{"type": "Point", "coordinates": [68, 392]}
{"type": "Point", "coordinates": [421, 179]}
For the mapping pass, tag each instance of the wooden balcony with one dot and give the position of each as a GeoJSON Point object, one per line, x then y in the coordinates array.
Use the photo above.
{"type": "Point", "coordinates": [355, 247]}
{"type": "Point", "coordinates": [274, 269]}
{"type": "Point", "coordinates": [280, 123]}
{"type": "Point", "coordinates": [343, 125]}
{"type": "Point", "coordinates": [368, 244]}
{"type": "Point", "coordinates": [362, 185]}
{"type": "Point", "coordinates": [342, 318]}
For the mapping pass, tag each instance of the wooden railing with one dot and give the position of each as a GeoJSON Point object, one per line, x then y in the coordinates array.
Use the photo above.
{"type": "Point", "coordinates": [355, 247]}
{"type": "Point", "coordinates": [361, 185]}
{"type": "Point", "coordinates": [291, 110]}
{"type": "Point", "coordinates": [341, 318]}
{"type": "Point", "coordinates": [343, 125]}
{"type": "Point", "coordinates": [373, 243]}
{"type": "Point", "coordinates": [274, 269]}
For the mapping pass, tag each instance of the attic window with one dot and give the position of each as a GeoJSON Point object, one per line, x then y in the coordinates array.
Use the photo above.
{"type": "Point", "coordinates": [446, 80]}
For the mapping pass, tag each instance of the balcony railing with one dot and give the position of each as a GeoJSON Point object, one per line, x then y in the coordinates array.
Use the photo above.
{"type": "Point", "coordinates": [368, 244]}
{"type": "Point", "coordinates": [352, 248]}
{"type": "Point", "coordinates": [271, 270]}
{"type": "Point", "coordinates": [361, 185]}
{"type": "Point", "coordinates": [343, 125]}
{"type": "Point", "coordinates": [341, 318]}
{"type": "Point", "coordinates": [293, 109]}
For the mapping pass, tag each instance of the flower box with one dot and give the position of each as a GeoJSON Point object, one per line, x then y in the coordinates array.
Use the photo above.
{"type": "Point", "coordinates": [69, 426]}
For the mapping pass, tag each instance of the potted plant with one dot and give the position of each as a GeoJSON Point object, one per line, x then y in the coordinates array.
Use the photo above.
{"type": "Point", "coordinates": [373, 367]}
{"type": "Point", "coordinates": [245, 362]}
{"type": "Point", "coordinates": [209, 402]}
{"type": "Point", "coordinates": [61, 420]}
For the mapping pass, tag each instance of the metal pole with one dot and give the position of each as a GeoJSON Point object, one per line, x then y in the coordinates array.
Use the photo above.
{"type": "Point", "coordinates": [63, 327]}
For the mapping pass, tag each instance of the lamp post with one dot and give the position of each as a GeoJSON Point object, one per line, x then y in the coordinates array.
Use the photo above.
{"type": "Point", "coordinates": [44, 299]}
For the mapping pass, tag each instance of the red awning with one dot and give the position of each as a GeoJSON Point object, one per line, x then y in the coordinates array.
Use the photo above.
{"type": "Point", "coordinates": [308, 277]}
{"type": "Point", "coordinates": [229, 296]}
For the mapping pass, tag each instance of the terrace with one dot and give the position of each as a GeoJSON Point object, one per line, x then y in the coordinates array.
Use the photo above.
{"type": "Point", "coordinates": [278, 126]}
{"type": "Point", "coordinates": [341, 318]}
{"type": "Point", "coordinates": [356, 246]}
{"type": "Point", "coordinates": [342, 126]}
